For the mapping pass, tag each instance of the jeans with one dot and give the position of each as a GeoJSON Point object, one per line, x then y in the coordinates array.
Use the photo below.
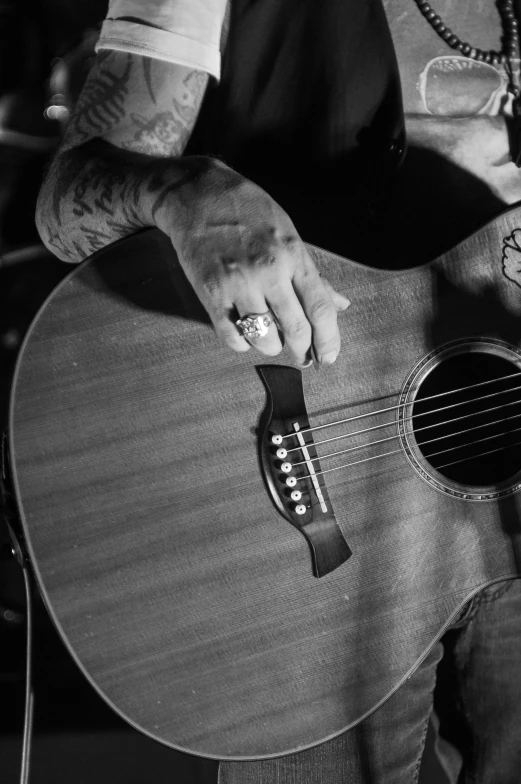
{"type": "Point", "coordinates": [470, 683]}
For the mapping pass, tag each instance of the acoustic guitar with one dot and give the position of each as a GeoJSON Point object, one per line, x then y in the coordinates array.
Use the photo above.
{"type": "Point", "coordinates": [245, 559]}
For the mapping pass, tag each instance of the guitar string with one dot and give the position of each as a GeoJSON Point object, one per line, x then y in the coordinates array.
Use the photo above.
{"type": "Point", "coordinates": [420, 429]}
{"type": "Point", "coordinates": [413, 416]}
{"type": "Point", "coordinates": [480, 454]}
{"type": "Point", "coordinates": [434, 454]}
{"type": "Point", "coordinates": [402, 405]}
{"type": "Point", "coordinates": [476, 441]}
{"type": "Point", "coordinates": [417, 416]}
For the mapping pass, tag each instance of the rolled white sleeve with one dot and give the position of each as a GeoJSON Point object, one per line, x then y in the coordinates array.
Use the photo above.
{"type": "Point", "coordinates": [186, 32]}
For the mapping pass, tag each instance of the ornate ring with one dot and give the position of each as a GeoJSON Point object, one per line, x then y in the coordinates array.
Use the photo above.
{"type": "Point", "coordinates": [255, 325]}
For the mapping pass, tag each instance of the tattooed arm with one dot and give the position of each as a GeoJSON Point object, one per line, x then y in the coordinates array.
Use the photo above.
{"type": "Point", "coordinates": [134, 116]}
{"type": "Point", "coordinates": [121, 168]}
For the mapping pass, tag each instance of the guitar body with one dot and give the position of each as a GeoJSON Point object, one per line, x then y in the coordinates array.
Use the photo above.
{"type": "Point", "coordinates": [184, 595]}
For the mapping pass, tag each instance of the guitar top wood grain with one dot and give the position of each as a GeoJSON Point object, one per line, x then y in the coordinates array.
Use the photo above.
{"type": "Point", "coordinates": [185, 597]}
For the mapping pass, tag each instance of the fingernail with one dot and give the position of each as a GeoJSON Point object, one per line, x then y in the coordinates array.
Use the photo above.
{"type": "Point", "coordinates": [329, 358]}
{"type": "Point", "coordinates": [307, 361]}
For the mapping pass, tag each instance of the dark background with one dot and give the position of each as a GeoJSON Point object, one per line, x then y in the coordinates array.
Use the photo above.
{"type": "Point", "coordinates": [44, 56]}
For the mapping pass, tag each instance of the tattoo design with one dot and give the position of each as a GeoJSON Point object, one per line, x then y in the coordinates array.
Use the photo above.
{"type": "Point", "coordinates": [68, 172]}
{"type": "Point", "coordinates": [103, 195]}
{"type": "Point", "coordinates": [166, 133]}
{"type": "Point", "coordinates": [95, 238]}
{"type": "Point", "coordinates": [147, 73]}
{"type": "Point", "coordinates": [102, 104]}
{"type": "Point", "coordinates": [512, 256]}
{"type": "Point", "coordinates": [106, 199]}
{"type": "Point", "coordinates": [102, 192]}
{"type": "Point", "coordinates": [99, 182]}
{"type": "Point", "coordinates": [195, 84]}
{"type": "Point", "coordinates": [162, 135]}
{"type": "Point", "coordinates": [55, 240]}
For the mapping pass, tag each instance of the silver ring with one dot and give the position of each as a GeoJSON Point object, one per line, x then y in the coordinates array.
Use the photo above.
{"type": "Point", "coordinates": [255, 325]}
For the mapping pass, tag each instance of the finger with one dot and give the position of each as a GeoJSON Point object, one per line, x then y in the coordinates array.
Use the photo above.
{"type": "Point", "coordinates": [227, 331]}
{"type": "Point", "coordinates": [218, 303]}
{"type": "Point", "coordinates": [320, 310]}
{"type": "Point", "coordinates": [339, 301]}
{"type": "Point", "coordinates": [292, 320]}
{"type": "Point", "coordinates": [223, 317]}
{"type": "Point", "coordinates": [269, 344]}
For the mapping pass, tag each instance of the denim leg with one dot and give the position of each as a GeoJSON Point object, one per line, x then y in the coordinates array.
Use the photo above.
{"type": "Point", "coordinates": [477, 703]}
{"type": "Point", "coordinates": [386, 748]}
{"type": "Point", "coordinates": [478, 695]}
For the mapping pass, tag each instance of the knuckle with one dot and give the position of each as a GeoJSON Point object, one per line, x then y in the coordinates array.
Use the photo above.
{"type": "Point", "coordinates": [268, 246]}
{"type": "Point", "coordinates": [211, 285]}
{"type": "Point", "coordinates": [230, 264]}
{"type": "Point", "coordinates": [262, 260]}
{"type": "Point", "coordinates": [308, 273]}
{"type": "Point", "coordinates": [290, 243]}
{"type": "Point", "coordinates": [261, 250]}
{"type": "Point", "coordinates": [298, 330]}
{"type": "Point", "coordinates": [321, 310]}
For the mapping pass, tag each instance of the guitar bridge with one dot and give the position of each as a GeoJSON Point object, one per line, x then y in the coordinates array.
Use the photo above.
{"type": "Point", "coordinates": [291, 469]}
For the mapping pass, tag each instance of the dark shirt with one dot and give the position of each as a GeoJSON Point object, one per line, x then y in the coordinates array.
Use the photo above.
{"type": "Point", "coordinates": [309, 107]}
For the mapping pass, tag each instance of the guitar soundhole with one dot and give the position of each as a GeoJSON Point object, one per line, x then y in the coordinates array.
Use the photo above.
{"type": "Point", "coordinates": [467, 418]}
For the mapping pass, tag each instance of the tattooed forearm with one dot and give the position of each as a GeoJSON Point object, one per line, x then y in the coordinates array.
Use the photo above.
{"type": "Point", "coordinates": [115, 195]}
{"type": "Point", "coordinates": [166, 133]}
{"type": "Point", "coordinates": [54, 240]}
{"type": "Point", "coordinates": [134, 114]}
{"type": "Point", "coordinates": [64, 172]}
{"type": "Point", "coordinates": [139, 104]}
{"type": "Point", "coordinates": [102, 102]}
{"type": "Point", "coordinates": [162, 135]}
{"type": "Point", "coordinates": [93, 200]}
{"type": "Point", "coordinates": [95, 239]}
{"type": "Point", "coordinates": [96, 190]}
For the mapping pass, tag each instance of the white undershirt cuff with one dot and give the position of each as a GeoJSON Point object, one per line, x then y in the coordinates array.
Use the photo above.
{"type": "Point", "coordinates": [126, 36]}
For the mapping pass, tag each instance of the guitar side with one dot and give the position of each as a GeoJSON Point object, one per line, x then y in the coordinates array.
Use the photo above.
{"type": "Point", "coordinates": [186, 598]}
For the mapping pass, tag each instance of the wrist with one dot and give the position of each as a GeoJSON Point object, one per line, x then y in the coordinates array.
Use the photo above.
{"type": "Point", "coordinates": [173, 187]}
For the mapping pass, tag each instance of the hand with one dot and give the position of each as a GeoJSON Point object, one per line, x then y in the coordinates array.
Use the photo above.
{"type": "Point", "coordinates": [242, 254]}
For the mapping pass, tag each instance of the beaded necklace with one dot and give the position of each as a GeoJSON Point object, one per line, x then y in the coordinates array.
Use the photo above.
{"type": "Point", "coordinates": [510, 50]}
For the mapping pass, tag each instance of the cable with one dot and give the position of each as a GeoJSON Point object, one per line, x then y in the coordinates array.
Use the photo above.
{"type": "Point", "coordinates": [29, 693]}
{"type": "Point", "coordinates": [9, 513]}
